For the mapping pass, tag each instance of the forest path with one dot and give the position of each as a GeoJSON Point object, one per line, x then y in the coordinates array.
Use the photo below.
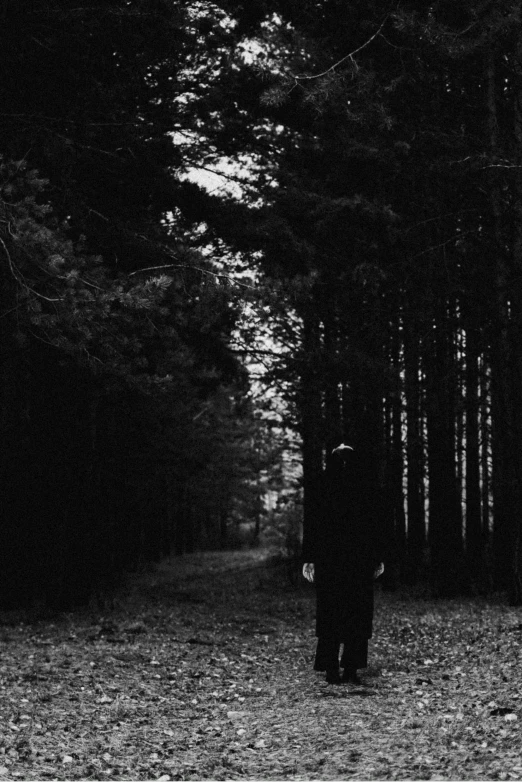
{"type": "Point", "coordinates": [202, 670]}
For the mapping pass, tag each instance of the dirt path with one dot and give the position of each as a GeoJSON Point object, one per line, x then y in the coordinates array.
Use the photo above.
{"type": "Point", "coordinates": [202, 670]}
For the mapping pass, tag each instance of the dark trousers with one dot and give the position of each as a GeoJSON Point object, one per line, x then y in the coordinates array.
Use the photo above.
{"type": "Point", "coordinates": [355, 654]}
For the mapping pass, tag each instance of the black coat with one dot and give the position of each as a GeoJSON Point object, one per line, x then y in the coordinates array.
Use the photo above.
{"type": "Point", "coordinates": [341, 538]}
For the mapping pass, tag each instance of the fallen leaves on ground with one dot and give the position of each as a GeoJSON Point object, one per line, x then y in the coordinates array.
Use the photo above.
{"type": "Point", "coordinates": [203, 670]}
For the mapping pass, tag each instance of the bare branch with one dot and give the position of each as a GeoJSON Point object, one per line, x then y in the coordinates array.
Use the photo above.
{"type": "Point", "coordinates": [194, 268]}
{"type": "Point", "coordinates": [12, 268]}
{"type": "Point", "coordinates": [445, 243]}
{"type": "Point", "coordinates": [489, 165]}
{"type": "Point", "coordinates": [349, 56]}
{"type": "Point", "coordinates": [500, 165]}
{"type": "Point", "coordinates": [19, 278]}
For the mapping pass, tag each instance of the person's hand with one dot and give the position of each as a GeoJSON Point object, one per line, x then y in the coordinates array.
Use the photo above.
{"type": "Point", "coordinates": [309, 572]}
{"type": "Point", "coordinates": [379, 570]}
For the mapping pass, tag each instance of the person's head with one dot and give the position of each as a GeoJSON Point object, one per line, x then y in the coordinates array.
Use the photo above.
{"type": "Point", "coordinates": [343, 452]}
{"type": "Point", "coordinates": [342, 456]}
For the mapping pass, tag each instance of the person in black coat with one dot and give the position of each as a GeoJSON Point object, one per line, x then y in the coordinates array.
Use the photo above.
{"type": "Point", "coordinates": [342, 556]}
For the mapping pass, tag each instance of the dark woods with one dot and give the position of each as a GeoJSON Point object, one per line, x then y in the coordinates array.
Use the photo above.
{"type": "Point", "coordinates": [381, 221]}
{"type": "Point", "coordinates": [124, 414]}
{"type": "Point", "coordinates": [399, 212]}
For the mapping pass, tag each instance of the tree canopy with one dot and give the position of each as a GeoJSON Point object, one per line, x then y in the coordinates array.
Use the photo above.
{"type": "Point", "coordinates": [369, 155]}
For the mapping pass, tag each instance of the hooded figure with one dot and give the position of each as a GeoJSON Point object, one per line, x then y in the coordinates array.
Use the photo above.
{"type": "Point", "coordinates": [341, 552]}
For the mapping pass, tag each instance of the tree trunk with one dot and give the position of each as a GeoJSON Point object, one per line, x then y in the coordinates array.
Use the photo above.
{"type": "Point", "coordinates": [485, 452]}
{"type": "Point", "coordinates": [473, 498]}
{"type": "Point", "coordinates": [333, 428]}
{"type": "Point", "coordinates": [445, 516]}
{"type": "Point", "coordinates": [516, 332]}
{"type": "Point", "coordinates": [395, 449]}
{"type": "Point", "coordinates": [416, 536]}
{"type": "Point", "coordinates": [311, 416]}
{"type": "Point", "coordinates": [505, 387]}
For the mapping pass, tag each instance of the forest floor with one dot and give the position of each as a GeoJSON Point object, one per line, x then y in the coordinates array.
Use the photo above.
{"type": "Point", "coordinates": [202, 670]}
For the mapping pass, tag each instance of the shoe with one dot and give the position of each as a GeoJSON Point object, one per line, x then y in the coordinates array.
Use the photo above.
{"type": "Point", "coordinates": [333, 676]}
{"type": "Point", "coordinates": [350, 675]}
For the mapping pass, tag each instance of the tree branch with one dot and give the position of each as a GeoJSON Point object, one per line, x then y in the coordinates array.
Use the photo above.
{"type": "Point", "coordinates": [349, 56]}
{"type": "Point", "coordinates": [19, 278]}
{"type": "Point", "coordinates": [194, 268]}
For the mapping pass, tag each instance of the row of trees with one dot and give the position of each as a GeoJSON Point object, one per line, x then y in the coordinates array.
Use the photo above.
{"type": "Point", "coordinates": [370, 227]}
{"type": "Point", "coordinates": [391, 230]}
{"type": "Point", "coordinates": [127, 424]}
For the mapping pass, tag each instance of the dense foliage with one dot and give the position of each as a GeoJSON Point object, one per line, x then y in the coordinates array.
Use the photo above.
{"type": "Point", "coordinates": [125, 418]}
{"type": "Point", "coordinates": [369, 159]}
{"type": "Point", "coordinates": [391, 229]}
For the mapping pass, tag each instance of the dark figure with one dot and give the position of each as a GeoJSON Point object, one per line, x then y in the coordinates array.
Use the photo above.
{"type": "Point", "coordinates": [342, 556]}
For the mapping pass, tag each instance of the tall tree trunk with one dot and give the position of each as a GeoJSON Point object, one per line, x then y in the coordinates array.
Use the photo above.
{"type": "Point", "coordinates": [485, 452]}
{"type": "Point", "coordinates": [516, 335]}
{"type": "Point", "coordinates": [505, 368]}
{"type": "Point", "coordinates": [311, 415]}
{"type": "Point", "coordinates": [395, 448]}
{"type": "Point", "coordinates": [445, 517]}
{"type": "Point", "coordinates": [473, 497]}
{"type": "Point", "coordinates": [416, 541]}
{"type": "Point", "coordinates": [333, 428]}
